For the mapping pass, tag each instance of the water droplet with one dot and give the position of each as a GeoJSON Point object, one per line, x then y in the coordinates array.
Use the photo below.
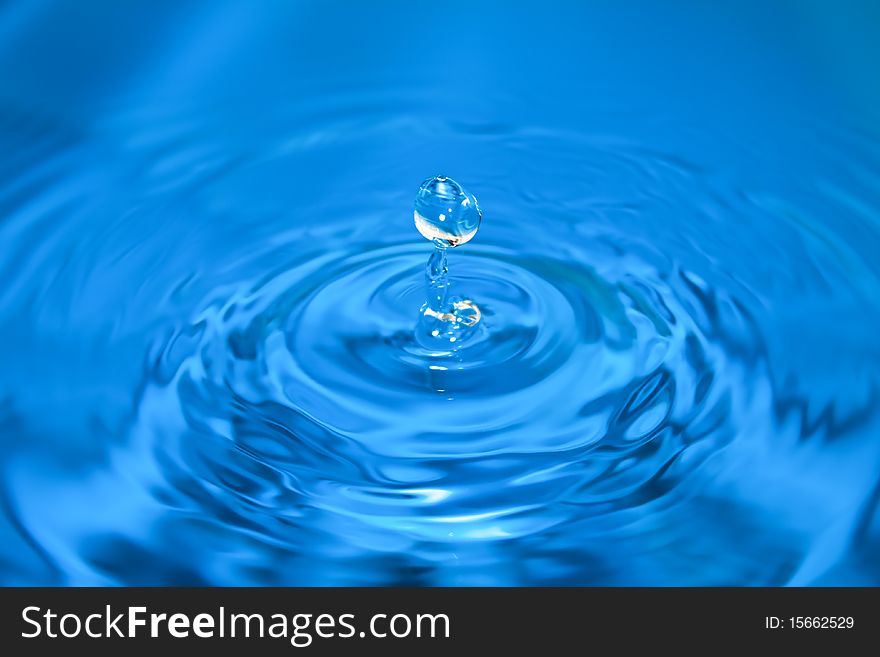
{"type": "Point", "coordinates": [445, 212]}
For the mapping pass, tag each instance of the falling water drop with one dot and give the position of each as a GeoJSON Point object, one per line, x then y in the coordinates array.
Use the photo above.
{"type": "Point", "coordinates": [445, 212]}
{"type": "Point", "coordinates": [449, 216]}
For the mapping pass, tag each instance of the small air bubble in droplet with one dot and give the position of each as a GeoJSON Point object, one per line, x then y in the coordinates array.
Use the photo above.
{"type": "Point", "coordinates": [445, 212]}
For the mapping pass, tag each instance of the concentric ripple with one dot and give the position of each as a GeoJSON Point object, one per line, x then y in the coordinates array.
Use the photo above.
{"type": "Point", "coordinates": [580, 390]}
{"type": "Point", "coordinates": [262, 412]}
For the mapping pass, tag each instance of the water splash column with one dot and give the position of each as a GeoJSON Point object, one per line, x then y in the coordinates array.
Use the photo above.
{"type": "Point", "coordinates": [436, 281]}
{"type": "Point", "coordinates": [447, 215]}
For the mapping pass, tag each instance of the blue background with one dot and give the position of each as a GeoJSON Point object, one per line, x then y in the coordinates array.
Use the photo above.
{"type": "Point", "coordinates": [209, 276]}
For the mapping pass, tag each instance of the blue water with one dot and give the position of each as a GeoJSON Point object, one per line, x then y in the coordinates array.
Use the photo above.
{"type": "Point", "coordinates": [212, 362]}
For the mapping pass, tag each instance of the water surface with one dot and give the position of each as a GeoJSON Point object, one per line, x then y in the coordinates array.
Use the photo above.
{"type": "Point", "coordinates": [211, 371]}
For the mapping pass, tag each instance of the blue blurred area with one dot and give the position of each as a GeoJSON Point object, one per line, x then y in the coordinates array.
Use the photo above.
{"type": "Point", "coordinates": [736, 62]}
{"type": "Point", "coordinates": [211, 276]}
